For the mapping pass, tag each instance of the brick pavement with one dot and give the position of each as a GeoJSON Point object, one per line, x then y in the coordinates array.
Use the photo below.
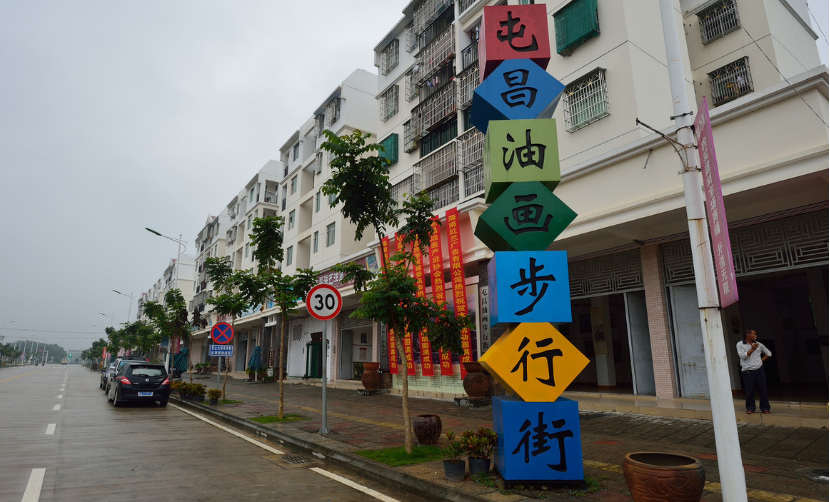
{"type": "Point", "coordinates": [773, 456]}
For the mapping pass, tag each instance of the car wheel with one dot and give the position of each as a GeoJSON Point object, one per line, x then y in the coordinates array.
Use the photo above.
{"type": "Point", "coordinates": [162, 403]}
{"type": "Point", "coordinates": [115, 399]}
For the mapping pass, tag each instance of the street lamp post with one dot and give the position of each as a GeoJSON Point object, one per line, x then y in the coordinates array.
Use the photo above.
{"type": "Point", "coordinates": [111, 316]}
{"type": "Point", "coordinates": [130, 296]}
{"type": "Point", "coordinates": [181, 247]}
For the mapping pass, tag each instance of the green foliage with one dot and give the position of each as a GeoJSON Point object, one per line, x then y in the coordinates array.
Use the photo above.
{"type": "Point", "coordinates": [480, 443]}
{"type": "Point", "coordinates": [397, 456]}
{"type": "Point", "coordinates": [214, 393]}
{"type": "Point", "coordinates": [229, 302]}
{"type": "Point", "coordinates": [273, 419]}
{"type": "Point", "coordinates": [267, 240]}
{"type": "Point", "coordinates": [453, 449]}
{"type": "Point", "coordinates": [193, 389]}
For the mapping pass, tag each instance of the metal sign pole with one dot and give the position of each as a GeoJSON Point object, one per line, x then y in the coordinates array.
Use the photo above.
{"type": "Point", "coordinates": [324, 427]}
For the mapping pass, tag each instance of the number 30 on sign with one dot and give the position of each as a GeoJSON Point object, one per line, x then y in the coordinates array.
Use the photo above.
{"type": "Point", "coordinates": [324, 302]}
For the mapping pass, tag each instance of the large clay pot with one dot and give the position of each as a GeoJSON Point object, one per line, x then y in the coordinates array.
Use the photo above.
{"type": "Point", "coordinates": [427, 428]}
{"type": "Point", "coordinates": [657, 477]}
{"type": "Point", "coordinates": [371, 377]}
{"type": "Point", "coordinates": [476, 383]}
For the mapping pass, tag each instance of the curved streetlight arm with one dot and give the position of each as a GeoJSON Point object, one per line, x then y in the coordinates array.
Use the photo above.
{"type": "Point", "coordinates": [177, 241]}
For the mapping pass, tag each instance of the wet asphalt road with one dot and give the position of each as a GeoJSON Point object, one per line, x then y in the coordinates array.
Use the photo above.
{"type": "Point", "coordinates": [57, 426]}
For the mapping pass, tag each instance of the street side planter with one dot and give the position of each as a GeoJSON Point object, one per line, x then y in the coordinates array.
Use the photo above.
{"type": "Point", "coordinates": [663, 476]}
{"type": "Point", "coordinates": [214, 395]}
{"type": "Point", "coordinates": [454, 467]}
{"type": "Point", "coordinates": [479, 445]}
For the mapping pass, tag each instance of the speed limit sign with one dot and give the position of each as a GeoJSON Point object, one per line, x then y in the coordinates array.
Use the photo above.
{"type": "Point", "coordinates": [324, 302]}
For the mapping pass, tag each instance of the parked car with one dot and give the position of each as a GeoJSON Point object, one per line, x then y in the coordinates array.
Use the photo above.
{"type": "Point", "coordinates": [116, 365]}
{"type": "Point", "coordinates": [104, 375]}
{"type": "Point", "coordinates": [140, 382]}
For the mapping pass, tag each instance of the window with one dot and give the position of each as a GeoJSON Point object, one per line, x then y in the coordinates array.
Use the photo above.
{"type": "Point", "coordinates": [390, 148]}
{"type": "Point", "coordinates": [296, 153]}
{"type": "Point", "coordinates": [575, 24]}
{"type": "Point", "coordinates": [439, 138]}
{"type": "Point", "coordinates": [332, 199]}
{"type": "Point", "coordinates": [333, 111]}
{"type": "Point", "coordinates": [718, 20]}
{"type": "Point", "coordinates": [409, 142]}
{"type": "Point", "coordinates": [250, 220]}
{"type": "Point", "coordinates": [317, 203]}
{"type": "Point", "coordinates": [329, 235]}
{"type": "Point", "coordinates": [410, 87]}
{"type": "Point", "coordinates": [316, 241]}
{"type": "Point", "coordinates": [586, 101]}
{"type": "Point", "coordinates": [289, 255]}
{"type": "Point", "coordinates": [247, 249]}
{"type": "Point", "coordinates": [293, 185]}
{"type": "Point", "coordinates": [389, 57]}
{"type": "Point", "coordinates": [291, 216]}
{"type": "Point", "coordinates": [389, 103]}
{"type": "Point", "coordinates": [731, 81]}
{"type": "Point", "coordinates": [319, 124]}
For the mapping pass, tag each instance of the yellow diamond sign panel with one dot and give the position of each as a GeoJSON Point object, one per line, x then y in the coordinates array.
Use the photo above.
{"type": "Point", "coordinates": [535, 361]}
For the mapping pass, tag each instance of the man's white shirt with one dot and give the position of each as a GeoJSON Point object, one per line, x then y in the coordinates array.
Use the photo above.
{"type": "Point", "coordinates": [751, 361]}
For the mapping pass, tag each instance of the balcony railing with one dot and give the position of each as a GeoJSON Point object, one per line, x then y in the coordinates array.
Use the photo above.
{"type": "Point", "coordinates": [469, 55]}
{"type": "Point", "coordinates": [432, 57]}
{"type": "Point", "coordinates": [467, 83]}
{"type": "Point", "coordinates": [464, 5]}
{"type": "Point", "coordinates": [427, 12]}
{"type": "Point", "coordinates": [444, 195]}
{"type": "Point", "coordinates": [434, 111]}
{"type": "Point", "coordinates": [270, 197]}
{"type": "Point", "coordinates": [406, 188]}
{"type": "Point", "coordinates": [439, 166]}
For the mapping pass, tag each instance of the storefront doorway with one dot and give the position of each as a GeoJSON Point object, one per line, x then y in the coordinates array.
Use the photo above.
{"type": "Point", "coordinates": [314, 358]}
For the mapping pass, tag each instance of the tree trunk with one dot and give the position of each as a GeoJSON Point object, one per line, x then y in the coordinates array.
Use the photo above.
{"type": "Point", "coordinates": [284, 327]}
{"type": "Point", "coordinates": [407, 425]}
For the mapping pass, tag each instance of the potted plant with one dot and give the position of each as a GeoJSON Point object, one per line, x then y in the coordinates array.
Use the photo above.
{"type": "Point", "coordinates": [196, 392]}
{"type": "Point", "coordinates": [177, 386]}
{"type": "Point", "coordinates": [214, 395]}
{"type": "Point", "coordinates": [479, 446]}
{"type": "Point", "coordinates": [454, 467]}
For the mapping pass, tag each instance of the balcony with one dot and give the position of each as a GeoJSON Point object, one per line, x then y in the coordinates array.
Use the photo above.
{"type": "Point", "coordinates": [467, 83]}
{"type": "Point", "coordinates": [438, 108]}
{"type": "Point", "coordinates": [469, 55]}
{"type": "Point", "coordinates": [444, 195]}
{"type": "Point", "coordinates": [406, 188]}
{"type": "Point", "coordinates": [427, 12]}
{"type": "Point", "coordinates": [464, 5]}
{"type": "Point", "coordinates": [439, 166]}
{"type": "Point", "coordinates": [435, 55]}
{"type": "Point", "coordinates": [270, 197]}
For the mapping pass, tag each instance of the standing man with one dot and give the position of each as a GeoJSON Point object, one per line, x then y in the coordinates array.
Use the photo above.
{"type": "Point", "coordinates": [753, 354]}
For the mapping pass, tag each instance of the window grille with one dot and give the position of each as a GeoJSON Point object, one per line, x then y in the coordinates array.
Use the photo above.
{"type": "Point", "coordinates": [464, 5]}
{"type": "Point", "coordinates": [445, 194]}
{"type": "Point", "coordinates": [333, 111]}
{"type": "Point", "coordinates": [406, 188]}
{"type": "Point", "coordinates": [390, 148]}
{"type": "Point", "coordinates": [428, 11]}
{"type": "Point", "coordinates": [432, 112]}
{"type": "Point", "coordinates": [467, 83]}
{"type": "Point", "coordinates": [575, 24]}
{"type": "Point", "coordinates": [469, 55]}
{"type": "Point", "coordinates": [410, 89]}
{"type": "Point", "coordinates": [389, 57]}
{"type": "Point", "coordinates": [731, 81]}
{"type": "Point", "coordinates": [438, 138]}
{"type": "Point", "coordinates": [318, 166]}
{"type": "Point", "coordinates": [718, 20]}
{"type": "Point", "coordinates": [411, 38]}
{"type": "Point", "coordinates": [473, 180]}
{"type": "Point", "coordinates": [409, 141]}
{"type": "Point", "coordinates": [470, 149]}
{"type": "Point", "coordinates": [319, 124]}
{"type": "Point", "coordinates": [439, 166]}
{"type": "Point", "coordinates": [586, 101]}
{"type": "Point", "coordinates": [433, 56]}
{"type": "Point", "coordinates": [389, 103]}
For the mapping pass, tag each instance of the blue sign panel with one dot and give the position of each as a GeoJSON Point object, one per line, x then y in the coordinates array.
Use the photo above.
{"type": "Point", "coordinates": [220, 351]}
{"type": "Point", "coordinates": [517, 89]}
{"type": "Point", "coordinates": [529, 286]}
{"type": "Point", "coordinates": [538, 441]}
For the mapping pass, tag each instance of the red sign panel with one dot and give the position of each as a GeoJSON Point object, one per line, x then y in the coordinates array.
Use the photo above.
{"type": "Point", "coordinates": [513, 32]}
{"type": "Point", "coordinates": [427, 368]}
{"type": "Point", "coordinates": [221, 333]}
{"type": "Point", "coordinates": [459, 290]}
{"type": "Point", "coordinates": [715, 210]}
{"type": "Point", "coordinates": [436, 266]}
{"type": "Point", "coordinates": [407, 336]}
{"type": "Point", "coordinates": [392, 348]}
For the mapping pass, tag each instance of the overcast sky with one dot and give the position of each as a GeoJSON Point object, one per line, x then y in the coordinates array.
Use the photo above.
{"type": "Point", "coordinates": [120, 115]}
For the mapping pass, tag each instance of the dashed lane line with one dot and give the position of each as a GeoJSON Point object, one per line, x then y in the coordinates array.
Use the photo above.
{"type": "Point", "coordinates": [50, 429]}
{"type": "Point", "coordinates": [60, 396]}
{"type": "Point", "coordinates": [18, 376]}
{"type": "Point", "coordinates": [231, 431]}
{"type": "Point", "coordinates": [32, 493]}
{"type": "Point", "coordinates": [57, 408]}
{"type": "Point", "coordinates": [352, 484]}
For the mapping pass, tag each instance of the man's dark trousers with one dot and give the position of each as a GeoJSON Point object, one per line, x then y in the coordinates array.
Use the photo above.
{"type": "Point", "coordinates": [755, 379]}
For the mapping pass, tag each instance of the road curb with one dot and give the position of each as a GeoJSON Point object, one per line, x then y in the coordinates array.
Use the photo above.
{"type": "Point", "coordinates": [355, 463]}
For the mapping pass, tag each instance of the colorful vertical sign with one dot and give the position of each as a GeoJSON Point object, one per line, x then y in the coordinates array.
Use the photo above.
{"type": "Point", "coordinates": [427, 369]}
{"type": "Point", "coordinates": [436, 267]}
{"type": "Point", "coordinates": [390, 336]}
{"type": "Point", "coordinates": [715, 210]}
{"type": "Point", "coordinates": [513, 32]}
{"type": "Point", "coordinates": [407, 336]}
{"type": "Point", "coordinates": [459, 289]}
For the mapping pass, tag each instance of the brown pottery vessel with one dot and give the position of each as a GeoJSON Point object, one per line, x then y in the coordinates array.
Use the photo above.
{"type": "Point", "coordinates": [660, 477]}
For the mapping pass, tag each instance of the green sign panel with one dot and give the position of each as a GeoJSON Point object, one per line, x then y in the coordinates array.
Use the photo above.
{"type": "Point", "coordinates": [520, 151]}
{"type": "Point", "coordinates": [525, 217]}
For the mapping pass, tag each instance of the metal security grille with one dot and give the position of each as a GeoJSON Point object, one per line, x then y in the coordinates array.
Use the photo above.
{"type": "Point", "coordinates": [297, 332]}
{"type": "Point", "coordinates": [793, 242]}
{"type": "Point", "coordinates": [319, 124]}
{"type": "Point", "coordinates": [297, 459]}
{"type": "Point", "coordinates": [731, 81]}
{"type": "Point", "coordinates": [411, 38]}
{"type": "Point", "coordinates": [439, 166]}
{"type": "Point", "coordinates": [428, 11]}
{"type": "Point", "coordinates": [473, 181]}
{"type": "Point", "coordinates": [445, 195]}
{"type": "Point", "coordinates": [586, 101]}
{"type": "Point", "coordinates": [606, 274]}
{"type": "Point", "coordinates": [410, 89]}
{"type": "Point", "coordinates": [409, 142]}
{"type": "Point", "coordinates": [349, 323]}
{"type": "Point", "coordinates": [389, 57]}
{"type": "Point", "coordinates": [469, 55]}
{"type": "Point", "coordinates": [471, 149]}
{"type": "Point", "coordinates": [467, 83]}
{"type": "Point", "coordinates": [575, 24]}
{"type": "Point", "coordinates": [406, 188]}
{"type": "Point", "coordinates": [389, 103]}
{"type": "Point", "coordinates": [333, 111]}
{"type": "Point", "coordinates": [718, 20]}
{"type": "Point", "coordinates": [436, 54]}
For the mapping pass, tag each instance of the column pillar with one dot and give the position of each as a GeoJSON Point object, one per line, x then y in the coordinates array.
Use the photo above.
{"type": "Point", "coordinates": [665, 380]}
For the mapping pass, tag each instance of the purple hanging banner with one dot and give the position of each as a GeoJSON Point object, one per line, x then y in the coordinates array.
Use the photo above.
{"type": "Point", "coordinates": [715, 211]}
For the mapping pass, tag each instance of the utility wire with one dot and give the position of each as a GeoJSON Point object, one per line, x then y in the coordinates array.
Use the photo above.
{"type": "Point", "coordinates": [817, 23]}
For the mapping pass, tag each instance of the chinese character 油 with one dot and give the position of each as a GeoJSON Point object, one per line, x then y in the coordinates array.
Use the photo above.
{"type": "Point", "coordinates": [531, 154]}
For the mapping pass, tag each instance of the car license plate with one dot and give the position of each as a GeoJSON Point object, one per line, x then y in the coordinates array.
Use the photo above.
{"type": "Point", "coordinates": [142, 394]}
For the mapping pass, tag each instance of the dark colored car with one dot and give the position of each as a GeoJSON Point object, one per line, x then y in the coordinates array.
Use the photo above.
{"type": "Point", "coordinates": [104, 375]}
{"type": "Point", "coordinates": [115, 367]}
{"type": "Point", "coordinates": [140, 382]}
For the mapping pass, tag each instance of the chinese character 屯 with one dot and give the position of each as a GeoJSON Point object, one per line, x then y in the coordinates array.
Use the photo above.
{"type": "Point", "coordinates": [511, 33]}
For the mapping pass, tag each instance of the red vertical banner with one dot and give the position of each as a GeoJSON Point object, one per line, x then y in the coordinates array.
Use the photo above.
{"type": "Point", "coordinates": [459, 290]}
{"type": "Point", "coordinates": [436, 267]}
{"type": "Point", "coordinates": [392, 348]}
{"type": "Point", "coordinates": [407, 336]}
{"type": "Point", "coordinates": [427, 369]}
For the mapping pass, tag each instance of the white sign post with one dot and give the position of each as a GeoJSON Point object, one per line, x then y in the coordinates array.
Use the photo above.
{"type": "Point", "coordinates": [324, 302]}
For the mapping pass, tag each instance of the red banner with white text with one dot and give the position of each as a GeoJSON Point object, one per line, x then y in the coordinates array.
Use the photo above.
{"type": "Point", "coordinates": [427, 368]}
{"type": "Point", "coordinates": [407, 336]}
{"type": "Point", "coordinates": [436, 267]}
{"type": "Point", "coordinates": [392, 348]}
{"type": "Point", "coordinates": [459, 290]}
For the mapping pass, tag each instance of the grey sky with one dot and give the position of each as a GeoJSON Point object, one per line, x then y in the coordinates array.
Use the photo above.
{"type": "Point", "coordinates": [115, 116]}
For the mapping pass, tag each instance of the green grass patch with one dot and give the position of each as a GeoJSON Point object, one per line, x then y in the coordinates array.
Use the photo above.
{"type": "Point", "coordinates": [397, 456]}
{"type": "Point", "coordinates": [274, 419]}
{"type": "Point", "coordinates": [229, 401]}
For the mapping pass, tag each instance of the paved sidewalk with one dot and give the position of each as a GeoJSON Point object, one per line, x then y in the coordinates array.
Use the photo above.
{"type": "Point", "coordinates": [777, 460]}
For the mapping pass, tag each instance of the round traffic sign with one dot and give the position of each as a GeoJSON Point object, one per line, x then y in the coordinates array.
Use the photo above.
{"type": "Point", "coordinates": [324, 302]}
{"type": "Point", "coordinates": [222, 333]}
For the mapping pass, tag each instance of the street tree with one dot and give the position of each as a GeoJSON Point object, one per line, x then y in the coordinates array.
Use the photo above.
{"type": "Point", "coordinates": [360, 182]}
{"type": "Point", "coordinates": [169, 319]}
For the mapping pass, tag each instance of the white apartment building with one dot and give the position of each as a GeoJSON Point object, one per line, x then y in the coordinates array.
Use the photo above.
{"type": "Point", "coordinates": [629, 254]}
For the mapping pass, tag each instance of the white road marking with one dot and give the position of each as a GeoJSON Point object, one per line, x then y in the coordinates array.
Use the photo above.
{"type": "Point", "coordinates": [226, 429]}
{"type": "Point", "coordinates": [32, 493]}
{"type": "Point", "coordinates": [352, 484]}
{"type": "Point", "coordinates": [57, 407]}
{"type": "Point", "coordinates": [50, 429]}
{"type": "Point", "coordinates": [60, 396]}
